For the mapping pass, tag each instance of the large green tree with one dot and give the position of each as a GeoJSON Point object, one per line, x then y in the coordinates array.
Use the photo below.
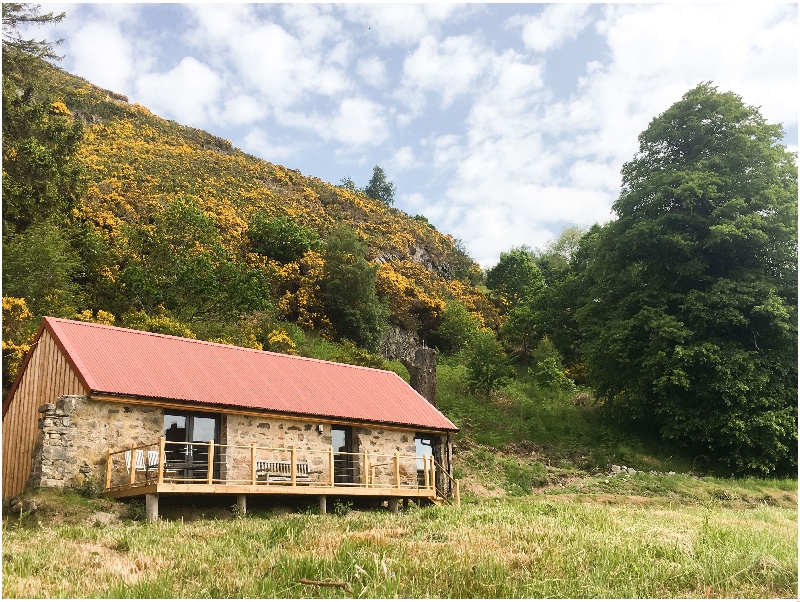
{"type": "Point", "coordinates": [351, 302]}
{"type": "Point", "coordinates": [516, 275]}
{"type": "Point", "coordinates": [691, 321]}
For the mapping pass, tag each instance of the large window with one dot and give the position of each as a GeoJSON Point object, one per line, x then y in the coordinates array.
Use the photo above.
{"type": "Point", "coordinates": [424, 445]}
{"type": "Point", "coordinates": [187, 435]}
{"type": "Point", "coordinates": [343, 464]}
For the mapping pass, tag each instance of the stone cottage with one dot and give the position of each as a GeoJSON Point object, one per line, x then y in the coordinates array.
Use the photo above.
{"type": "Point", "coordinates": [149, 414]}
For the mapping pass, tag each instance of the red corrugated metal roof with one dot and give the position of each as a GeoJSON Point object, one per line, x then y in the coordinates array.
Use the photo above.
{"type": "Point", "coordinates": [131, 362]}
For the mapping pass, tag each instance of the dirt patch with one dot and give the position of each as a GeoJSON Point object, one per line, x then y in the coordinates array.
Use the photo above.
{"type": "Point", "coordinates": [475, 488]}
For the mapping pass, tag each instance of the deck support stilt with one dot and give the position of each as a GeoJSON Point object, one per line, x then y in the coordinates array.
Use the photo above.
{"type": "Point", "coordinates": [393, 504]}
{"type": "Point", "coordinates": [151, 507]}
{"type": "Point", "coordinates": [406, 503]}
{"type": "Point", "coordinates": [323, 504]}
{"type": "Point", "coordinates": [241, 503]}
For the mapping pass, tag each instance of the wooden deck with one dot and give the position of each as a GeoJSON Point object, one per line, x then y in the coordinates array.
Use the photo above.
{"type": "Point", "coordinates": [242, 470]}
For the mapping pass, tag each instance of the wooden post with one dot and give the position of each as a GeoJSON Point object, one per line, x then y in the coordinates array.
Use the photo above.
{"type": "Point", "coordinates": [108, 470]}
{"type": "Point", "coordinates": [333, 481]}
{"type": "Point", "coordinates": [162, 443]}
{"type": "Point", "coordinates": [432, 479]}
{"type": "Point", "coordinates": [133, 466]}
{"type": "Point", "coordinates": [397, 469]}
{"type": "Point", "coordinates": [253, 463]}
{"type": "Point", "coordinates": [294, 466]}
{"type": "Point", "coordinates": [365, 468]}
{"type": "Point", "coordinates": [211, 462]}
{"type": "Point", "coordinates": [458, 494]}
{"type": "Point", "coordinates": [425, 469]}
{"type": "Point", "coordinates": [323, 504]}
{"type": "Point", "coordinates": [241, 504]}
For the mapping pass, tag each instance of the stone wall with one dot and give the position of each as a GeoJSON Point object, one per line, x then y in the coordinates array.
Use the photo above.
{"type": "Point", "coordinates": [76, 433]}
{"type": "Point", "coordinates": [240, 432]}
{"type": "Point", "coordinates": [54, 459]}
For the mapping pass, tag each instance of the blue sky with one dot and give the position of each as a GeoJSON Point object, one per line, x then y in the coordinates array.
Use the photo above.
{"type": "Point", "coordinates": [501, 123]}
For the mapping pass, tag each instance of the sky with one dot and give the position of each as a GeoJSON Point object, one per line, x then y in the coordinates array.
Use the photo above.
{"type": "Point", "coordinates": [501, 123]}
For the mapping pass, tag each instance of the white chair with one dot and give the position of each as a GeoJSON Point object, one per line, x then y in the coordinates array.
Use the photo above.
{"type": "Point", "coordinates": [139, 460]}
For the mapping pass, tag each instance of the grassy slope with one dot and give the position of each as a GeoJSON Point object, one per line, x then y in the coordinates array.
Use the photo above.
{"type": "Point", "coordinates": [564, 546]}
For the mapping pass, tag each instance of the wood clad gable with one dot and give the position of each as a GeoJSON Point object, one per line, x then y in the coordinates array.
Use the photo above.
{"type": "Point", "coordinates": [45, 375]}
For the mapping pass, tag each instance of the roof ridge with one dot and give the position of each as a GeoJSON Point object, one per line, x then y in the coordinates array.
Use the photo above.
{"type": "Point", "coordinates": [202, 342]}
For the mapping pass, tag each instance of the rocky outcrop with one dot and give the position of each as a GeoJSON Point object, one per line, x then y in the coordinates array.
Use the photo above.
{"type": "Point", "coordinates": [398, 344]}
{"type": "Point", "coordinates": [423, 373]}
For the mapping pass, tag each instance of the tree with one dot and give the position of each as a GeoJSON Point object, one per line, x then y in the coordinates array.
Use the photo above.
{"type": "Point", "coordinates": [457, 329]}
{"type": "Point", "coordinates": [379, 188]}
{"type": "Point", "coordinates": [351, 302]}
{"type": "Point", "coordinates": [488, 366]}
{"type": "Point", "coordinates": [181, 264]}
{"type": "Point", "coordinates": [281, 238]}
{"type": "Point", "coordinates": [348, 184]}
{"type": "Point", "coordinates": [39, 265]}
{"type": "Point", "coordinates": [41, 177]}
{"type": "Point", "coordinates": [19, 54]}
{"type": "Point", "coordinates": [691, 321]}
{"type": "Point", "coordinates": [515, 275]}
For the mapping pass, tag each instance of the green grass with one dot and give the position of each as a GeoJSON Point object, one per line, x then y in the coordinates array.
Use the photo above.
{"type": "Point", "coordinates": [522, 547]}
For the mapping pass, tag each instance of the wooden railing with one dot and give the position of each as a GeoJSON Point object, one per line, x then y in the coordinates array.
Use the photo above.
{"type": "Point", "coordinates": [216, 464]}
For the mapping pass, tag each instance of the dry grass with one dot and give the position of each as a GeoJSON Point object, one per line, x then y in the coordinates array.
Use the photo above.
{"type": "Point", "coordinates": [539, 546]}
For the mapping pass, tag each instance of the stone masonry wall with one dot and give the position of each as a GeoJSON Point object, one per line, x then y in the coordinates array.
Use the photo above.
{"type": "Point", "coordinates": [76, 433]}
{"type": "Point", "coordinates": [54, 460]}
{"type": "Point", "coordinates": [312, 446]}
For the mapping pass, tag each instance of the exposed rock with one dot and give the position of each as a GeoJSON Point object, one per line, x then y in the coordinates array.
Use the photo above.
{"type": "Point", "coordinates": [423, 373]}
{"type": "Point", "coordinates": [398, 344]}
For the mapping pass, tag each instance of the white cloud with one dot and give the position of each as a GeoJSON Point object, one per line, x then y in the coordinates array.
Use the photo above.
{"type": "Point", "coordinates": [266, 59]}
{"type": "Point", "coordinates": [556, 24]}
{"type": "Point", "coordinates": [373, 71]}
{"type": "Point", "coordinates": [243, 109]}
{"type": "Point", "coordinates": [401, 23]}
{"type": "Point", "coordinates": [403, 159]}
{"type": "Point", "coordinates": [450, 67]}
{"type": "Point", "coordinates": [413, 202]}
{"type": "Point", "coordinates": [357, 122]}
{"type": "Point", "coordinates": [99, 44]}
{"type": "Point", "coordinates": [259, 144]}
{"type": "Point", "coordinates": [527, 164]}
{"type": "Point", "coordinates": [187, 93]}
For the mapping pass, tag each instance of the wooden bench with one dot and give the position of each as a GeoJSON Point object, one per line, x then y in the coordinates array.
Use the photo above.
{"type": "Point", "coordinates": [278, 471]}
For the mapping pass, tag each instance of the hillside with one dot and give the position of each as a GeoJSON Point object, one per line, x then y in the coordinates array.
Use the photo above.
{"type": "Point", "coordinates": [156, 192]}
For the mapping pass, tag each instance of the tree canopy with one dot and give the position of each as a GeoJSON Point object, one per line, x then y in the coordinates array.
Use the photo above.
{"type": "Point", "coordinates": [351, 302]}
{"type": "Point", "coordinates": [690, 324]}
{"type": "Point", "coordinates": [380, 187]}
{"type": "Point", "coordinates": [515, 275]}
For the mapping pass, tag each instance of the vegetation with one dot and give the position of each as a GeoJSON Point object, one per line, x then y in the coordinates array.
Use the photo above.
{"type": "Point", "coordinates": [693, 324]}
{"type": "Point", "coordinates": [682, 313]}
{"type": "Point", "coordinates": [380, 188]}
{"type": "Point", "coordinates": [351, 303]}
{"type": "Point", "coordinates": [728, 539]}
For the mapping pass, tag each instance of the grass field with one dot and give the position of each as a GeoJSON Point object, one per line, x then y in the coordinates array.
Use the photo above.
{"type": "Point", "coordinates": [653, 537]}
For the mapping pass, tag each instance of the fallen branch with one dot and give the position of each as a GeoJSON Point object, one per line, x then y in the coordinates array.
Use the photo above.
{"type": "Point", "coordinates": [341, 584]}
